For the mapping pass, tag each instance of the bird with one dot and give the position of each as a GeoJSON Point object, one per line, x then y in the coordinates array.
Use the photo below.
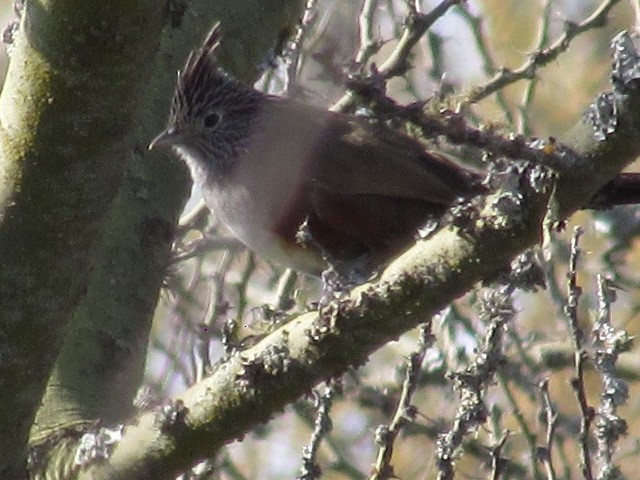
{"type": "Point", "coordinates": [305, 187]}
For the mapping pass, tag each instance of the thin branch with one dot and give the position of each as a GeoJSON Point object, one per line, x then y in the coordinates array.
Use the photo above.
{"type": "Point", "coordinates": [207, 243]}
{"type": "Point", "coordinates": [525, 429]}
{"type": "Point", "coordinates": [368, 46]}
{"type": "Point", "coordinates": [285, 289]}
{"type": "Point", "coordinates": [577, 383]}
{"type": "Point", "coordinates": [527, 97]}
{"type": "Point", "coordinates": [497, 462]}
{"type": "Point", "coordinates": [471, 383]}
{"type": "Point", "coordinates": [217, 305]}
{"type": "Point", "coordinates": [551, 419]}
{"type": "Point", "coordinates": [396, 64]}
{"type": "Point", "coordinates": [405, 411]}
{"type": "Point", "coordinates": [488, 63]}
{"type": "Point", "coordinates": [609, 343]}
{"type": "Point", "coordinates": [417, 26]}
{"type": "Point", "coordinates": [541, 57]}
{"type": "Point", "coordinates": [193, 218]}
{"type": "Point", "coordinates": [293, 53]}
{"type": "Point", "coordinates": [310, 470]}
{"type": "Point", "coordinates": [337, 450]}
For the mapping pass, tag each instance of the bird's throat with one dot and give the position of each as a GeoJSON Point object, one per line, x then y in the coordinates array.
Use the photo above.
{"type": "Point", "coordinates": [194, 162]}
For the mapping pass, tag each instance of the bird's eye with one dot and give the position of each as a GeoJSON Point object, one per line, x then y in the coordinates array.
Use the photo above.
{"type": "Point", "coordinates": [211, 119]}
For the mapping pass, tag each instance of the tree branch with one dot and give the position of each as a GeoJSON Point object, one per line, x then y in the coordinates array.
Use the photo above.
{"type": "Point", "coordinates": [71, 91]}
{"type": "Point", "coordinates": [86, 215]}
{"type": "Point", "coordinates": [250, 386]}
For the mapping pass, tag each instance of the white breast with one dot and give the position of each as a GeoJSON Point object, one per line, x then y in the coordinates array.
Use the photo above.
{"type": "Point", "coordinates": [251, 208]}
{"type": "Point", "coordinates": [266, 179]}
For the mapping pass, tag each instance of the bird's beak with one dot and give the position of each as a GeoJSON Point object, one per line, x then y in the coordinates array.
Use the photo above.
{"type": "Point", "coordinates": [166, 139]}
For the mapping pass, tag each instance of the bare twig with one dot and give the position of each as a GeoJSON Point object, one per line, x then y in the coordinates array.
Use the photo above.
{"type": "Point", "coordinates": [207, 243]}
{"type": "Point", "coordinates": [217, 305]}
{"type": "Point", "coordinates": [405, 412]}
{"type": "Point", "coordinates": [470, 383]}
{"type": "Point", "coordinates": [497, 462]}
{"type": "Point", "coordinates": [551, 418]}
{"type": "Point", "coordinates": [229, 468]}
{"type": "Point", "coordinates": [488, 64]}
{"type": "Point", "coordinates": [543, 37]}
{"type": "Point", "coordinates": [310, 470]}
{"type": "Point", "coordinates": [193, 218]}
{"type": "Point", "coordinates": [180, 293]}
{"type": "Point", "coordinates": [577, 383]}
{"type": "Point", "coordinates": [541, 57]}
{"type": "Point", "coordinates": [396, 64]}
{"type": "Point", "coordinates": [292, 55]}
{"type": "Point", "coordinates": [337, 450]}
{"type": "Point", "coordinates": [368, 45]}
{"type": "Point", "coordinates": [574, 291]}
{"type": "Point", "coordinates": [416, 26]}
{"type": "Point", "coordinates": [284, 290]}
{"type": "Point", "coordinates": [243, 284]}
{"type": "Point", "coordinates": [521, 421]}
{"type": "Point", "coordinates": [609, 342]}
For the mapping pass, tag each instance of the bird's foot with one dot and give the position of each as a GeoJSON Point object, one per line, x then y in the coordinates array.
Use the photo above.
{"type": "Point", "coordinates": [341, 276]}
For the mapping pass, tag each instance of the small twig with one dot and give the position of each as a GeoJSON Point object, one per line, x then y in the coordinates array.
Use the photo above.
{"type": "Point", "coordinates": [471, 383]}
{"type": "Point", "coordinates": [207, 243]}
{"type": "Point", "coordinates": [217, 305]}
{"type": "Point", "coordinates": [488, 64]}
{"type": "Point", "coordinates": [574, 291]}
{"type": "Point", "coordinates": [396, 64]}
{"type": "Point", "coordinates": [229, 468]}
{"type": "Point", "coordinates": [541, 57]}
{"type": "Point", "coordinates": [577, 383]}
{"type": "Point", "coordinates": [183, 338]}
{"type": "Point", "coordinates": [551, 418]}
{"type": "Point", "coordinates": [198, 219]}
{"type": "Point", "coordinates": [368, 46]}
{"type": "Point", "coordinates": [337, 450]}
{"type": "Point", "coordinates": [527, 98]}
{"type": "Point", "coordinates": [193, 218]}
{"type": "Point", "coordinates": [497, 462]}
{"type": "Point", "coordinates": [459, 132]}
{"type": "Point", "coordinates": [417, 26]}
{"type": "Point", "coordinates": [405, 411]}
{"type": "Point", "coordinates": [521, 421]}
{"type": "Point", "coordinates": [284, 290]}
{"type": "Point", "coordinates": [310, 470]}
{"type": "Point", "coordinates": [609, 343]}
{"type": "Point", "coordinates": [243, 284]}
{"type": "Point", "coordinates": [293, 52]}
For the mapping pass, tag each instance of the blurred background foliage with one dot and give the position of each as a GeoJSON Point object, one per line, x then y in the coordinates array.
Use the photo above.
{"type": "Point", "coordinates": [216, 290]}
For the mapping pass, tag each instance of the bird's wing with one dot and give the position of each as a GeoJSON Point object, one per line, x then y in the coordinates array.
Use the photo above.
{"type": "Point", "coordinates": [353, 156]}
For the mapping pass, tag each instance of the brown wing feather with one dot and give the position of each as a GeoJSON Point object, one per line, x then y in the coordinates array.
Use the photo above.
{"type": "Point", "coordinates": [353, 225]}
{"type": "Point", "coordinates": [361, 158]}
{"type": "Point", "coordinates": [367, 189]}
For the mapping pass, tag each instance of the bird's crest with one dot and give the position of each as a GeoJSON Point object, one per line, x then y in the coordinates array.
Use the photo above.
{"type": "Point", "coordinates": [202, 79]}
{"type": "Point", "coordinates": [201, 61]}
